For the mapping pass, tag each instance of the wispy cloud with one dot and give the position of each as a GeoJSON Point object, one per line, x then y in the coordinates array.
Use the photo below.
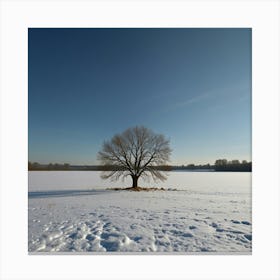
{"type": "Point", "coordinates": [208, 95]}
{"type": "Point", "coordinates": [190, 101]}
{"type": "Point", "coordinates": [193, 100]}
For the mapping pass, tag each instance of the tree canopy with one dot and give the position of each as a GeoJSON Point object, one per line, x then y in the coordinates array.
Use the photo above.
{"type": "Point", "coordinates": [137, 152]}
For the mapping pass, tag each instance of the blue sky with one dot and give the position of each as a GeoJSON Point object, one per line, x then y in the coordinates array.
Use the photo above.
{"type": "Point", "coordinates": [192, 85]}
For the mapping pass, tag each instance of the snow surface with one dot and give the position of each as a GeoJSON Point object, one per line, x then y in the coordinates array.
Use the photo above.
{"type": "Point", "coordinates": [71, 211]}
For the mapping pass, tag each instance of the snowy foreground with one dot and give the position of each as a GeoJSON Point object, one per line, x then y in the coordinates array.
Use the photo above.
{"type": "Point", "coordinates": [73, 212]}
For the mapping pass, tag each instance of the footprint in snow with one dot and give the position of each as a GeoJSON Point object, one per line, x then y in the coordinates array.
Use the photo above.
{"type": "Point", "coordinates": [246, 223]}
{"type": "Point", "coordinates": [248, 236]}
{"type": "Point", "coordinates": [187, 234]}
{"type": "Point", "coordinates": [192, 227]}
{"type": "Point", "coordinates": [90, 237]}
{"type": "Point", "coordinates": [214, 225]}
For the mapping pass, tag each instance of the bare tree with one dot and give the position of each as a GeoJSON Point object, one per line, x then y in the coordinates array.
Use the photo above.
{"type": "Point", "coordinates": [136, 152]}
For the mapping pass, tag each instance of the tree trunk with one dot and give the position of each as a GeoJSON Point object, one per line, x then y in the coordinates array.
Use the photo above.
{"type": "Point", "coordinates": [134, 181]}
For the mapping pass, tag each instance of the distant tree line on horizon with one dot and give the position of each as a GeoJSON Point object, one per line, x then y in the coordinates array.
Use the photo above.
{"type": "Point", "coordinates": [50, 166]}
{"type": "Point", "coordinates": [233, 165]}
{"type": "Point", "coordinates": [220, 165]}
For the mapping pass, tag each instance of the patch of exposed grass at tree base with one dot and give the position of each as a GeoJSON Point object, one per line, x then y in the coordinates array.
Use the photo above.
{"type": "Point", "coordinates": [139, 189]}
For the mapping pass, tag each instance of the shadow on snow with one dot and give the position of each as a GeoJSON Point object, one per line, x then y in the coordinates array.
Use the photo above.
{"type": "Point", "coordinates": [64, 193]}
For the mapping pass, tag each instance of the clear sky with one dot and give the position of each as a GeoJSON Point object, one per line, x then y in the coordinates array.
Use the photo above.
{"type": "Point", "coordinates": [192, 85]}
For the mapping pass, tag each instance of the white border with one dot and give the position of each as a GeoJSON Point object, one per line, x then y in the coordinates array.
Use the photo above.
{"type": "Point", "coordinates": [17, 16]}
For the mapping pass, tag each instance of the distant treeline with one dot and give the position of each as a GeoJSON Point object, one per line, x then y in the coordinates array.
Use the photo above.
{"type": "Point", "coordinates": [35, 166]}
{"type": "Point", "coordinates": [220, 165]}
{"type": "Point", "coordinates": [50, 166]}
{"type": "Point", "coordinates": [233, 165]}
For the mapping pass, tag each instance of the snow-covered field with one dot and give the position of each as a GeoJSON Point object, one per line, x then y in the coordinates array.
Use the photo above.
{"type": "Point", "coordinates": [71, 211]}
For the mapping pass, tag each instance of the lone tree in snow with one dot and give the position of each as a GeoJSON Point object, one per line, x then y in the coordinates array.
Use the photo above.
{"type": "Point", "coordinates": [136, 152]}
